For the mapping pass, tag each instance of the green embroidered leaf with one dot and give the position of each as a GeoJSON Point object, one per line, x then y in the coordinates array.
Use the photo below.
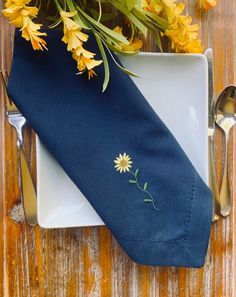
{"type": "Point", "coordinates": [136, 172]}
{"type": "Point", "coordinates": [132, 181]}
{"type": "Point", "coordinates": [145, 186]}
{"type": "Point", "coordinates": [147, 200]}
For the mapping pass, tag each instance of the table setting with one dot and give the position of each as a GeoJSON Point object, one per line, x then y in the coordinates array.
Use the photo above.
{"type": "Point", "coordinates": [126, 146]}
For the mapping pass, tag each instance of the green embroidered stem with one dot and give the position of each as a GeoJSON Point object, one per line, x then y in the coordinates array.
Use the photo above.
{"type": "Point", "coordinates": [123, 164]}
{"type": "Point", "coordinates": [144, 189]}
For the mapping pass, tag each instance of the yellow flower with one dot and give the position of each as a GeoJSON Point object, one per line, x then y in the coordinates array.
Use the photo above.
{"type": "Point", "coordinates": [118, 30]}
{"type": "Point", "coordinates": [133, 46]}
{"type": "Point", "coordinates": [30, 31]}
{"type": "Point", "coordinates": [74, 38]}
{"type": "Point", "coordinates": [84, 63]}
{"type": "Point", "coordinates": [91, 73]}
{"type": "Point", "coordinates": [167, 8]}
{"type": "Point", "coordinates": [85, 60]}
{"type": "Point", "coordinates": [153, 6]}
{"type": "Point", "coordinates": [207, 4]}
{"type": "Point", "coordinates": [81, 51]}
{"type": "Point", "coordinates": [182, 33]}
{"type": "Point", "coordinates": [123, 163]}
{"type": "Point", "coordinates": [184, 36]}
{"type": "Point", "coordinates": [21, 16]}
{"type": "Point", "coordinates": [170, 8]}
{"type": "Point", "coordinates": [16, 12]}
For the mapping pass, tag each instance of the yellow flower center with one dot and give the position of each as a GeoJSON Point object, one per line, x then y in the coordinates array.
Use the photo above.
{"type": "Point", "coordinates": [123, 163]}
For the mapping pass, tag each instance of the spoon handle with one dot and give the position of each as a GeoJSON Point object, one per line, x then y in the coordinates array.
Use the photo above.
{"type": "Point", "coordinates": [213, 181]}
{"type": "Point", "coordinates": [225, 206]}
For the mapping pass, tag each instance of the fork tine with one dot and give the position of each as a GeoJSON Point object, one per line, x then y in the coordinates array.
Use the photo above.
{"type": "Point", "coordinates": [7, 75]}
{"type": "Point", "coordinates": [4, 78]}
{"type": "Point", "coordinates": [4, 75]}
{"type": "Point", "coordinates": [6, 82]}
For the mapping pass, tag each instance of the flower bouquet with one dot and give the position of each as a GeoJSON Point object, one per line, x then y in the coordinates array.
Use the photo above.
{"type": "Point", "coordinates": [162, 18]}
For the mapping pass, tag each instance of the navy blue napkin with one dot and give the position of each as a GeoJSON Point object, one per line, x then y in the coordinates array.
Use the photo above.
{"type": "Point", "coordinates": [118, 152]}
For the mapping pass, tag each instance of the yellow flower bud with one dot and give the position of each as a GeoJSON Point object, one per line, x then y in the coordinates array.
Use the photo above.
{"type": "Point", "coordinates": [74, 38]}
{"type": "Point", "coordinates": [207, 4]}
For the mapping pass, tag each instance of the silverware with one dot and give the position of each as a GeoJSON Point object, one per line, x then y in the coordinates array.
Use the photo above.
{"type": "Point", "coordinates": [211, 129]}
{"type": "Point", "coordinates": [225, 116]}
{"type": "Point", "coordinates": [16, 119]}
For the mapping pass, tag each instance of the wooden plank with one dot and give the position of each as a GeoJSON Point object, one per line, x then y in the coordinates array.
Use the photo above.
{"type": "Point", "coordinates": [88, 261]}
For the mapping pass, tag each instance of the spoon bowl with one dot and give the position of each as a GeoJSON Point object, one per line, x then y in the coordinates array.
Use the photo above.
{"type": "Point", "coordinates": [225, 117]}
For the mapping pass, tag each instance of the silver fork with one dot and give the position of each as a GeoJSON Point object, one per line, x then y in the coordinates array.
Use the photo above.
{"type": "Point", "coordinates": [16, 119]}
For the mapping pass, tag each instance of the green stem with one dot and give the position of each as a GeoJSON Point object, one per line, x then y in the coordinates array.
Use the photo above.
{"type": "Point", "coordinates": [58, 6]}
{"type": "Point", "coordinates": [76, 18]}
{"type": "Point", "coordinates": [70, 5]}
{"type": "Point", "coordinates": [100, 11]}
{"type": "Point", "coordinates": [102, 27]}
{"type": "Point", "coordinates": [145, 191]}
{"type": "Point", "coordinates": [149, 17]}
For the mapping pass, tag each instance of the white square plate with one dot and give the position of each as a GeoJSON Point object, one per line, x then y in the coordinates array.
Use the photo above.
{"type": "Point", "coordinates": [176, 86]}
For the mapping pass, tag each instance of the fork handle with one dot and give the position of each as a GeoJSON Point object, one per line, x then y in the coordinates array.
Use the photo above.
{"type": "Point", "coordinates": [28, 190]}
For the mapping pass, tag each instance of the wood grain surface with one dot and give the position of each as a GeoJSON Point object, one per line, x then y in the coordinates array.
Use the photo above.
{"type": "Point", "coordinates": [88, 261]}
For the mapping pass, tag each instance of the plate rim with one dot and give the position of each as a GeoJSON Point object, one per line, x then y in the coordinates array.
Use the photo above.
{"type": "Point", "coordinates": [151, 54]}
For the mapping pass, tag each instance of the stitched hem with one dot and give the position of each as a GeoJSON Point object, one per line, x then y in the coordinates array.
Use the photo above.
{"type": "Point", "coordinates": [198, 233]}
{"type": "Point", "coordinates": [188, 251]}
{"type": "Point", "coordinates": [192, 197]}
{"type": "Point", "coordinates": [152, 241]}
{"type": "Point", "coordinates": [186, 225]}
{"type": "Point", "coordinates": [158, 253]}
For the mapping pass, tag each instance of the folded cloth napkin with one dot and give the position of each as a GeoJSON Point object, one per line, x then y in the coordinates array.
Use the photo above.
{"type": "Point", "coordinates": [118, 152]}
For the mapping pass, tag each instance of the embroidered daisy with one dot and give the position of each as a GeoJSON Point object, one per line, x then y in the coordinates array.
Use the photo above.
{"type": "Point", "coordinates": [123, 163]}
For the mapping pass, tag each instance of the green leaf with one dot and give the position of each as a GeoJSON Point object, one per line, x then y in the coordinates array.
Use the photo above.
{"type": "Point", "coordinates": [76, 18]}
{"type": "Point", "coordinates": [147, 200]}
{"type": "Point", "coordinates": [126, 71]}
{"type": "Point", "coordinates": [117, 50]}
{"type": "Point", "coordinates": [148, 20]}
{"type": "Point", "coordinates": [101, 27]}
{"type": "Point", "coordinates": [158, 40]}
{"type": "Point", "coordinates": [136, 172]}
{"type": "Point", "coordinates": [100, 11]}
{"type": "Point", "coordinates": [158, 20]}
{"type": "Point", "coordinates": [80, 22]}
{"type": "Point", "coordinates": [131, 3]}
{"type": "Point", "coordinates": [55, 24]}
{"type": "Point", "coordinates": [145, 186]}
{"type": "Point", "coordinates": [105, 62]}
{"type": "Point", "coordinates": [132, 181]}
{"type": "Point", "coordinates": [105, 16]}
{"type": "Point", "coordinates": [109, 40]}
{"type": "Point", "coordinates": [131, 17]}
{"type": "Point", "coordinates": [119, 66]}
{"type": "Point", "coordinates": [133, 31]}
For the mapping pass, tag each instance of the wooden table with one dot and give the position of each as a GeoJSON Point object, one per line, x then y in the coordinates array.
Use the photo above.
{"type": "Point", "coordinates": [88, 261]}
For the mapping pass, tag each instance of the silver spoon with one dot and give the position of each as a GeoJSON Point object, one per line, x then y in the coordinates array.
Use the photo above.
{"type": "Point", "coordinates": [225, 116]}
